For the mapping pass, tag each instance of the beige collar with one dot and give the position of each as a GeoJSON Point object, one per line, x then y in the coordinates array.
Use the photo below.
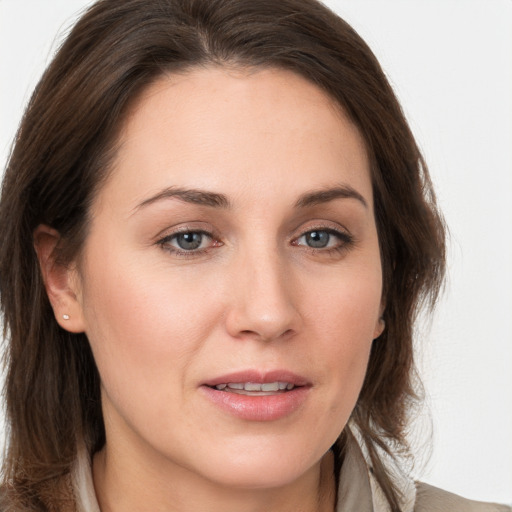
{"type": "Point", "coordinates": [359, 490]}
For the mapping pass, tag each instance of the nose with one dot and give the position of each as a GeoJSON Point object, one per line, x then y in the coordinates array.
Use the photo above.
{"type": "Point", "coordinates": [263, 303]}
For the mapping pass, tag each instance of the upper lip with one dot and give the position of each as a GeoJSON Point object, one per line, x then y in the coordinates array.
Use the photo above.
{"type": "Point", "coordinates": [258, 376]}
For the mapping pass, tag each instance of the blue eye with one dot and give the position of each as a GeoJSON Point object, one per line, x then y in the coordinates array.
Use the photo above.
{"type": "Point", "coordinates": [187, 241]}
{"type": "Point", "coordinates": [324, 239]}
{"type": "Point", "coordinates": [317, 239]}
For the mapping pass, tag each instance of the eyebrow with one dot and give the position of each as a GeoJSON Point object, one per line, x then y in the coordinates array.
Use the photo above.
{"type": "Point", "coordinates": [329, 194]}
{"type": "Point", "coordinates": [216, 200]}
{"type": "Point", "coordinates": [188, 195]}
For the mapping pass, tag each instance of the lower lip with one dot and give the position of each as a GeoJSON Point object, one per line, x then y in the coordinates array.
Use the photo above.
{"type": "Point", "coordinates": [258, 408]}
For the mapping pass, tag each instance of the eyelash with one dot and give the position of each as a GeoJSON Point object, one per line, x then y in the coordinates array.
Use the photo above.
{"type": "Point", "coordinates": [345, 242]}
{"type": "Point", "coordinates": [165, 243]}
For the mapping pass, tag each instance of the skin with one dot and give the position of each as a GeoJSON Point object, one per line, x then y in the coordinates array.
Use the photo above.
{"type": "Point", "coordinates": [254, 295]}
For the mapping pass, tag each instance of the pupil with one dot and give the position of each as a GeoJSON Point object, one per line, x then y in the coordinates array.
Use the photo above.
{"type": "Point", "coordinates": [317, 239]}
{"type": "Point", "coordinates": [189, 241]}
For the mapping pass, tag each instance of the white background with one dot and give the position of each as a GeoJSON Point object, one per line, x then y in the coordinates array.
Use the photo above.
{"type": "Point", "coordinates": [450, 62]}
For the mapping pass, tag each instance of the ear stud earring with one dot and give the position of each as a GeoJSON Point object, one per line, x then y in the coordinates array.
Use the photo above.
{"type": "Point", "coordinates": [66, 317]}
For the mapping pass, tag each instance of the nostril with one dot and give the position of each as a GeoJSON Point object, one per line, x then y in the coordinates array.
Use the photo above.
{"type": "Point", "coordinates": [287, 334]}
{"type": "Point", "coordinates": [266, 336]}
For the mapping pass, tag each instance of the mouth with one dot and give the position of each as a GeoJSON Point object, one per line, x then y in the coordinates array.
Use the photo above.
{"type": "Point", "coordinates": [258, 396]}
{"type": "Point", "coordinates": [255, 381]}
{"type": "Point", "coordinates": [255, 388]}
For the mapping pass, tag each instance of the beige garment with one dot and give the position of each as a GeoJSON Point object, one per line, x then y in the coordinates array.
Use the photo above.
{"type": "Point", "coordinates": [432, 499]}
{"type": "Point", "coordinates": [359, 492]}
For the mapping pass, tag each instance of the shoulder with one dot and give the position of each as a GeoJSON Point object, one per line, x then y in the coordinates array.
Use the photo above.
{"type": "Point", "coordinates": [432, 499]}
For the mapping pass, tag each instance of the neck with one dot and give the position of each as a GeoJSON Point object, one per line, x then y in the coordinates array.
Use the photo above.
{"type": "Point", "coordinates": [121, 485]}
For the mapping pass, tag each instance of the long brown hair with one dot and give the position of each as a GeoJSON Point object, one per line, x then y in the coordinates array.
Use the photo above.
{"type": "Point", "coordinates": [61, 156]}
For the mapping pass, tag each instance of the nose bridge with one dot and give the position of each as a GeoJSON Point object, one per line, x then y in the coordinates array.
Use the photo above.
{"type": "Point", "coordinates": [263, 302]}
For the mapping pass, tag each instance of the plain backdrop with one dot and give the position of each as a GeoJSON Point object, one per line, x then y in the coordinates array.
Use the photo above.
{"type": "Point", "coordinates": [450, 62]}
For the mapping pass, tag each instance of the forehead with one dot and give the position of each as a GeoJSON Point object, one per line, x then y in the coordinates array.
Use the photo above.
{"type": "Point", "coordinates": [224, 129]}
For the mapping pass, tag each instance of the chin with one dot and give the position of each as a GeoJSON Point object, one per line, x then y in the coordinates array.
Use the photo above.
{"type": "Point", "coordinates": [261, 467]}
{"type": "Point", "coordinates": [253, 476]}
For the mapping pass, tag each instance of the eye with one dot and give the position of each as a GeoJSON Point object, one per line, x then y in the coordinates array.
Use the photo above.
{"type": "Point", "coordinates": [323, 239]}
{"type": "Point", "coordinates": [188, 241]}
{"type": "Point", "coordinates": [317, 239]}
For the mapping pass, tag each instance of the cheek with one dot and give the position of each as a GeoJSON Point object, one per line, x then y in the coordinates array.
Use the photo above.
{"type": "Point", "coordinates": [146, 338]}
{"type": "Point", "coordinates": [343, 319]}
{"type": "Point", "coordinates": [143, 323]}
{"type": "Point", "coordinates": [346, 306]}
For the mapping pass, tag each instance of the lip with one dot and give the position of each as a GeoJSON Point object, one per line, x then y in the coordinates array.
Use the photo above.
{"type": "Point", "coordinates": [258, 408]}
{"type": "Point", "coordinates": [259, 377]}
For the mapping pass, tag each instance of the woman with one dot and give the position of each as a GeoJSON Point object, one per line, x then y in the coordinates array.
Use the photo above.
{"type": "Point", "coordinates": [222, 229]}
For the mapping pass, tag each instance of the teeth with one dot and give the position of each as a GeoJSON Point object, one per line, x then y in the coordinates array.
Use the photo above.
{"type": "Point", "coordinates": [252, 386]}
{"type": "Point", "coordinates": [255, 386]}
{"type": "Point", "coordinates": [271, 386]}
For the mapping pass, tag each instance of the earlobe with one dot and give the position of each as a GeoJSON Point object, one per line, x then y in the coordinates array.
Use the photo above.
{"type": "Point", "coordinates": [379, 328]}
{"type": "Point", "coordinates": [381, 323]}
{"type": "Point", "coordinates": [60, 280]}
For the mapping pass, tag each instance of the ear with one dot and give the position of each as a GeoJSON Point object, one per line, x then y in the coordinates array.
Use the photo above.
{"type": "Point", "coordinates": [380, 325]}
{"type": "Point", "coordinates": [61, 281]}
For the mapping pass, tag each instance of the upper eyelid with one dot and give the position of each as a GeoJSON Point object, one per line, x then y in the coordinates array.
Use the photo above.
{"type": "Point", "coordinates": [341, 234]}
{"type": "Point", "coordinates": [182, 231]}
{"type": "Point", "coordinates": [331, 227]}
{"type": "Point", "coordinates": [185, 228]}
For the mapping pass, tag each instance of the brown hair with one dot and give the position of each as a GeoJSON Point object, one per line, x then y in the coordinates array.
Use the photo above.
{"type": "Point", "coordinates": [61, 156]}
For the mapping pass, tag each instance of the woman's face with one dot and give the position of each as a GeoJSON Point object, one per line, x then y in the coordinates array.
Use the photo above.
{"type": "Point", "coordinates": [233, 246]}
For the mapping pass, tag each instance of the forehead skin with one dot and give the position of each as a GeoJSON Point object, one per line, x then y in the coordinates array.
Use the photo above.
{"type": "Point", "coordinates": [143, 143]}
